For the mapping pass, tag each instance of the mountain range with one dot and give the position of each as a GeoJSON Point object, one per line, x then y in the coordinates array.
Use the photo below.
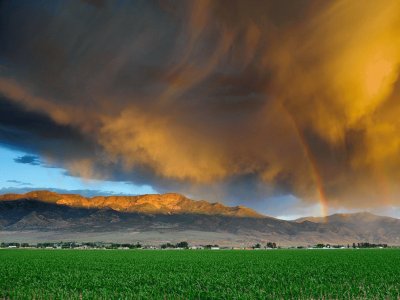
{"type": "Point", "coordinates": [157, 218]}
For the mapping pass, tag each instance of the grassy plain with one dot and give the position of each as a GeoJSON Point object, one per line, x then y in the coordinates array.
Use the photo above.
{"type": "Point", "coordinates": [199, 274]}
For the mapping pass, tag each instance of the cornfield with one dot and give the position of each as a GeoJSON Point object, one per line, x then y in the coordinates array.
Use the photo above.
{"type": "Point", "coordinates": [199, 274]}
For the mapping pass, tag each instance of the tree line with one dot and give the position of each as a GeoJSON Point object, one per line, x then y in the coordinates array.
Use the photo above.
{"type": "Point", "coordinates": [180, 245]}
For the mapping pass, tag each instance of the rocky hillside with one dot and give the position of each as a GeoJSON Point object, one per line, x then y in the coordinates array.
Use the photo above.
{"type": "Point", "coordinates": [170, 203]}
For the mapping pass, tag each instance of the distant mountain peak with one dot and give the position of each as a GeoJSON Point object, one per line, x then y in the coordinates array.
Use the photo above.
{"type": "Point", "coordinates": [363, 216]}
{"type": "Point", "coordinates": [169, 203]}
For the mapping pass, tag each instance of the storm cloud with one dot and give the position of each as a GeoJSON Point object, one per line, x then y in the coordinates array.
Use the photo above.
{"type": "Point", "coordinates": [218, 99]}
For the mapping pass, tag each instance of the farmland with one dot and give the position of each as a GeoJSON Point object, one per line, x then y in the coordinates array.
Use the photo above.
{"type": "Point", "coordinates": [205, 274]}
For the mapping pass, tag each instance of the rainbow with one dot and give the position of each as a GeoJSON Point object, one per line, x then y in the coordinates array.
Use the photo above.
{"type": "Point", "coordinates": [323, 202]}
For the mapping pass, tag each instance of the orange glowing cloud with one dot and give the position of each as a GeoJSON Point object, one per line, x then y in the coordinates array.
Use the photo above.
{"type": "Point", "coordinates": [301, 98]}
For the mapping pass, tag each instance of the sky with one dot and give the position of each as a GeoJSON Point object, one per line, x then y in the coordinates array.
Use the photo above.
{"type": "Point", "coordinates": [290, 108]}
{"type": "Point", "coordinates": [22, 172]}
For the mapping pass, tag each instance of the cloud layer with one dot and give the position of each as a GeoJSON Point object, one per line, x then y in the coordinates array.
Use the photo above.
{"type": "Point", "coordinates": [219, 99]}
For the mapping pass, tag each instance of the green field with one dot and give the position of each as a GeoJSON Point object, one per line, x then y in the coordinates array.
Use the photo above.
{"type": "Point", "coordinates": [204, 274]}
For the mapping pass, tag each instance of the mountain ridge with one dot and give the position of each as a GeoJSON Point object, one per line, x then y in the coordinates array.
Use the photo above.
{"type": "Point", "coordinates": [46, 216]}
{"type": "Point", "coordinates": [168, 203]}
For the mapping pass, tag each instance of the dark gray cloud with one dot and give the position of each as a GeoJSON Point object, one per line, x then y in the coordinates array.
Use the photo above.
{"type": "Point", "coordinates": [28, 159]}
{"type": "Point", "coordinates": [37, 133]}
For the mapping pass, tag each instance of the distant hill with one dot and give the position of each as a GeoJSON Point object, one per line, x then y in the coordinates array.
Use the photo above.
{"type": "Point", "coordinates": [153, 219]}
{"type": "Point", "coordinates": [360, 217]}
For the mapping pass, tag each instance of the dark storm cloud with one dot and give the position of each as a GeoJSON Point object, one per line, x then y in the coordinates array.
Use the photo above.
{"type": "Point", "coordinates": [34, 132]}
{"type": "Point", "coordinates": [218, 99]}
{"type": "Point", "coordinates": [96, 3]}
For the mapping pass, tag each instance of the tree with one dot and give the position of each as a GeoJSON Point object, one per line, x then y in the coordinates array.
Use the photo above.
{"type": "Point", "coordinates": [182, 245]}
{"type": "Point", "coordinates": [167, 245]}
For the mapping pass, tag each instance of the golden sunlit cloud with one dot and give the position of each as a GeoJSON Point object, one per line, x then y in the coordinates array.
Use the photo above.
{"type": "Point", "coordinates": [302, 98]}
